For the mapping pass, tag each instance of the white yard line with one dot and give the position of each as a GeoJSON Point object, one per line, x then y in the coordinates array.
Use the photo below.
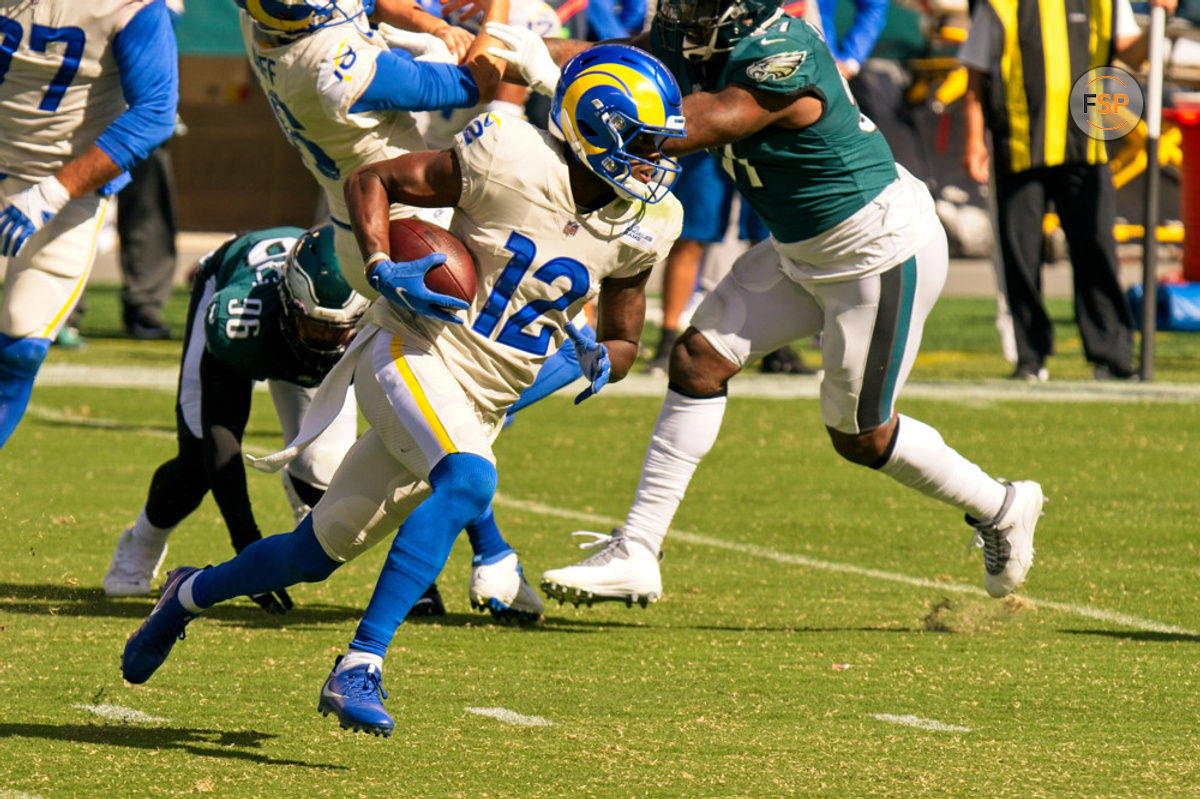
{"type": "Point", "coordinates": [1169, 393]}
{"type": "Point", "coordinates": [119, 713]}
{"type": "Point", "coordinates": [510, 716]}
{"type": "Point", "coordinates": [749, 385]}
{"type": "Point", "coordinates": [920, 723]}
{"type": "Point", "coordinates": [765, 553]}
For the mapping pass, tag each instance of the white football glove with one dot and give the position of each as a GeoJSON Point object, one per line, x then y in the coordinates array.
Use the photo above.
{"type": "Point", "coordinates": [526, 49]}
{"type": "Point", "coordinates": [28, 211]}
{"type": "Point", "coordinates": [422, 46]}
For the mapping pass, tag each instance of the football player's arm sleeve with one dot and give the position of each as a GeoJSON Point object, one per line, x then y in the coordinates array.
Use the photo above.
{"type": "Point", "coordinates": [148, 60]}
{"type": "Point", "coordinates": [224, 410]}
{"type": "Point", "coordinates": [633, 15]}
{"type": "Point", "coordinates": [603, 21]}
{"type": "Point", "coordinates": [859, 41]}
{"type": "Point", "coordinates": [402, 84]}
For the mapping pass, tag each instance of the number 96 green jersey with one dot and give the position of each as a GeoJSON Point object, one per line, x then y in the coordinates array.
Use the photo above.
{"type": "Point", "coordinates": [800, 181]}
{"type": "Point", "coordinates": [242, 319]}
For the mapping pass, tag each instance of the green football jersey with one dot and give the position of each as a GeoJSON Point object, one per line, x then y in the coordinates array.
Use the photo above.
{"type": "Point", "coordinates": [242, 324]}
{"type": "Point", "coordinates": [801, 182]}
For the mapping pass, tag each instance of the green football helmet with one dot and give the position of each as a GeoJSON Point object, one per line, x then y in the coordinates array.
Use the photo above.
{"type": "Point", "coordinates": [320, 310]}
{"type": "Point", "coordinates": [697, 35]}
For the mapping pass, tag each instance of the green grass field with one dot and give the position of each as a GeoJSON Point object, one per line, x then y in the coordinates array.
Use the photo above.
{"type": "Point", "coordinates": [823, 631]}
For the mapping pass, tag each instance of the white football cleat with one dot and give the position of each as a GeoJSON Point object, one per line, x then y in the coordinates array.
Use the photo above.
{"type": "Point", "coordinates": [134, 566]}
{"type": "Point", "coordinates": [1007, 540]}
{"type": "Point", "coordinates": [625, 570]}
{"type": "Point", "coordinates": [501, 588]}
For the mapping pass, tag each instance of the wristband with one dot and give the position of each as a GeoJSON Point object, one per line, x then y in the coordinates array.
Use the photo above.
{"type": "Point", "coordinates": [374, 258]}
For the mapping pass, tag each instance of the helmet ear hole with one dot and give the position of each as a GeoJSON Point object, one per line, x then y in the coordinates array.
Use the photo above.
{"type": "Point", "coordinates": [303, 16]}
{"type": "Point", "coordinates": [606, 96]}
{"type": "Point", "coordinates": [320, 310]}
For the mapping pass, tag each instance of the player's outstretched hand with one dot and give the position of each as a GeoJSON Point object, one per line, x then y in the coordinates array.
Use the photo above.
{"type": "Point", "coordinates": [276, 603]}
{"type": "Point", "coordinates": [28, 211]}
{"type": "Point", "coordinates": [526, 49]}
{"type": "Point", "coordinates": [593, 360]}
{"type": "Point", "coordinates": [421, 46]}
{"type": "Point", "coordinates": [403, 282]}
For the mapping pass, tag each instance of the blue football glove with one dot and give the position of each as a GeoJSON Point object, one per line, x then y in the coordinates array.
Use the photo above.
{"type": "Point", "coordinates": [593, 360]}
{"type": "Point", "coordinates": [403, 282]}
{"type": "Point", "coordinates": [28, 211]}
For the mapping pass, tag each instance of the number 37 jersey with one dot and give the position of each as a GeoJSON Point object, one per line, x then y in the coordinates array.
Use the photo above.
{"type": "Point", "coordinates": [538, 259]}
{"type": "Point", "coordinates": [59, 82]}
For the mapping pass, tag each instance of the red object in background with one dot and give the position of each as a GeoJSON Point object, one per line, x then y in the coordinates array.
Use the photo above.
{"type": "Point", "coordinates": [1189, 187]}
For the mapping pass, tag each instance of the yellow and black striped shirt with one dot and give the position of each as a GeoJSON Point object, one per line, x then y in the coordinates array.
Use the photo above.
{"type": "Point", "coordinates": [1046, 45]}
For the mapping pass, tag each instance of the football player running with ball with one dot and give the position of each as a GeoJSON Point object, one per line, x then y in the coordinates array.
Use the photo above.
{"type": "Point", "coordinates": [551, 225]}
{"type": "Point", "coordinates": [344, 86]}
{"type": "Point", "coordinates": [856, 254]}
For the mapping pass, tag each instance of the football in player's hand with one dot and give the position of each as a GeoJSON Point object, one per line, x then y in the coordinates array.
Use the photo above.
{"type": "Point", "coordinates": [414, 238]}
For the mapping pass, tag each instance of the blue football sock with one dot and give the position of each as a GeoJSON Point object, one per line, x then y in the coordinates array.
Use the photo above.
{"type": "Point", "coordinates": [486, 542]}
{"type": "Point", "coordinates": [20, 359]}
{"type": "Point", "coordinates": [560, 369]}
{"type": "Point", "coordinates": [269, 564]}
{"type": "Point", "coordinates": [463, 486]}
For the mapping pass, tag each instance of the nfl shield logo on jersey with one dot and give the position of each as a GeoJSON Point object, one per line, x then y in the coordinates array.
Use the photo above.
{"type": "Point", "coordinates": [571, 228]}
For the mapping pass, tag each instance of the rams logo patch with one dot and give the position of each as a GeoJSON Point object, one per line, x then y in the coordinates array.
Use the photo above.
{"type": "Point", "coordinates": [780, 66]}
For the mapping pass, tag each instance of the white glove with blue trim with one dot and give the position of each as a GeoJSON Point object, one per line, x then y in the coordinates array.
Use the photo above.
{"type": "Point", "coordinates": [526, 49]}
{"type": "Point", "coordinates": [28, 211]}
{"type": "Point", "coordinates": [421, 46]}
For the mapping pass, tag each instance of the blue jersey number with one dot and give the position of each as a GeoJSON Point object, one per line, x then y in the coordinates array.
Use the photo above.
{"type": "Point", "coordinates": [513, 333]}
{"type": "Point", "coordinates": [40, 38]}
{"type": "Point", "coordinates": [308, 149]}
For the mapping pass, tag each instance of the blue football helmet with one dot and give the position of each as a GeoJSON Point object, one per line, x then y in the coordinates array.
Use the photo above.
{"type": "Point", "coordinates": [304, 16]}
{"type": "Point", "coordinates": [606, 97]}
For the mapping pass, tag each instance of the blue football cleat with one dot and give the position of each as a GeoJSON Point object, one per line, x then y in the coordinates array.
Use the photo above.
{"type": "Point", "coordinates": [356, 695]}
{"type": "Point", "coordinates": [150, 644]}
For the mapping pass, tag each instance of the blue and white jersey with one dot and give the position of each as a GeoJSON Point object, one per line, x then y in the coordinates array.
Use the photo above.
{"type": "Point", "coordinates": [315, 84]}
{"type": "Point", "coordinates": [75, 73]}
{"type": "Point", "coordinates": [538, 259]}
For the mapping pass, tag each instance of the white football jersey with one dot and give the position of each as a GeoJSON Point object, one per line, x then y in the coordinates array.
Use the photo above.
{"type": "Point", "coordinates": [538, 260]}
{"type": "Point", "coordinates": [440, 127]}
{"type": "Point", "coordinates": [311, 83]}
{"type": "Point", "coordinates": [61, 87]}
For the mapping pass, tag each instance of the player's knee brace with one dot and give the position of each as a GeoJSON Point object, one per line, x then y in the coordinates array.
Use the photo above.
{"type": "Point", "coordinates": [466, 483]}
